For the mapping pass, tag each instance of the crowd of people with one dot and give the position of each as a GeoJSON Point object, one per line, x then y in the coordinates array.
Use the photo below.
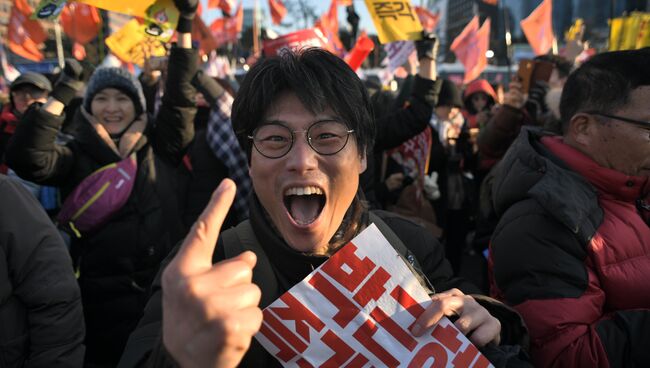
{"type": "Point", "coordinates": [187, 204]}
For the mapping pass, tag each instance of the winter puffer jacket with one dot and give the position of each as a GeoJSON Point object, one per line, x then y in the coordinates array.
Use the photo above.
{"type": "Point", "coordinates": [571, 253]}
{"type": "Point", "coordinates": [41, 320]}
{"type": "Point", "coordinates": [118, 262]}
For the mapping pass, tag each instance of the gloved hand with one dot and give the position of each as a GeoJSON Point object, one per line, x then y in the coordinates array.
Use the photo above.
{"type": "Point", "coordinates": [70, 81]}
{"type": "Point", "coordinates": [427, 47]}
{"type": "Point", "coordinates": [431, 189]}
{"type": "Point", "coordinates": [536, 104]}
{"type": "Point", "coordinates": [187, 9]}
{"type": "Point", "coordinates": [209, 88]}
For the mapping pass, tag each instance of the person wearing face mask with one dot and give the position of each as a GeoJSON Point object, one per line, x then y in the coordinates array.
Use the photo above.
{"type": "Point", "coordinates": [117, 261]}
{"type": "Point", "coordinates": [305, 122]}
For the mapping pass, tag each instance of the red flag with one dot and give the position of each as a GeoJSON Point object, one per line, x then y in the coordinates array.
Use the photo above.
{"type": "Point", "coordinates": [225, 5]}
{"type": "Point", "coordinates": [538, 28]}
{"type": "Point", "coordinates": [24, 34]}
{"type": "Point", "coordinates": [328, 24]}
{"type": "Point", "coordinates": [470, 47]}
{"type": "Point", "coordinates": [80, 22]}
{"type": "Point", "coordinates": [278, 10]}
{"type": "Point", "coordinates": [428, 19]}
{"type": "Point", "coordinates": [225, 30]}
{"type": "Point", "coordinates": [202, 34]}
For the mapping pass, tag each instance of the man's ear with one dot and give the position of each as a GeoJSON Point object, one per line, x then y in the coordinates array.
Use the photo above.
{"type": "Point", "coordinates": [364, 162]}
{"type": "Point", "coordinates": [581, 129]}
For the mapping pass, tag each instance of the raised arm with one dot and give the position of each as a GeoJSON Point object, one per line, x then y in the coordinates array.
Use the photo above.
{"type": "Point", "coordinates": [175, 120]}
{"type": "Point", "coordinates": [32, 152]}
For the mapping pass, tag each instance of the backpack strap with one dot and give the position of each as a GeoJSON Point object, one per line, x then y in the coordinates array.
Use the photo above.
{"type": "Point", "coordinates": [241, 238]}
{"type": "Point", "coordinates": [403, 251]}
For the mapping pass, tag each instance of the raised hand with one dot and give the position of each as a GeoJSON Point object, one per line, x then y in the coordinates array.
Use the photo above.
{"type": "Point", "coordinates": [69, 82]}
{"type": "Point", "coordinates": [515, 96]}
{"type": "Point", "coordinates": [473, 320]}
{"type": "Point", "coordinates": [210, 311]}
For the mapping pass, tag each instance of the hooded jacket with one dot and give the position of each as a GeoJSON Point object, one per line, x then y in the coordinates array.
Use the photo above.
{"type": "Point", "coordinates": [118, 262]}
{"type": "Point", "coordinates": [571, 254]}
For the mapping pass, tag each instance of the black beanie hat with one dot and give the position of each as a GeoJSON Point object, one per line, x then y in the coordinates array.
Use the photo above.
{"type": "Point", "coordinates": [33, 79]}
{"type": "Point", "coordinates": [117, 78]}
{"type": "Point", "coordinates": [449, 95]}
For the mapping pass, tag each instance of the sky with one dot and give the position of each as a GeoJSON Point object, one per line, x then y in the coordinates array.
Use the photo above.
{"type": "Point", "coordinates": [321, 7]}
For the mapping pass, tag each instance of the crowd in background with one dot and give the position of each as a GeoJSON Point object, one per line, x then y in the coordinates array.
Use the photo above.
{"type": "Point", "coordinates": [170, 133]}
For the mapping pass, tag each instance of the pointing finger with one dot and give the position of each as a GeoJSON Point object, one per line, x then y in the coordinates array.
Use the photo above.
{"type": "Point", "coordinates": [196, 252]}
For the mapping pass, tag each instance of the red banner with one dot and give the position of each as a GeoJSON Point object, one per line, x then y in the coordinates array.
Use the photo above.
{"type": "Point", "coordinates": [304, 38]}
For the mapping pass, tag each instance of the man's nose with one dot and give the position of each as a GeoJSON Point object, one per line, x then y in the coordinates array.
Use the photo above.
{"type": "Point", "coordinates": [302, 157]}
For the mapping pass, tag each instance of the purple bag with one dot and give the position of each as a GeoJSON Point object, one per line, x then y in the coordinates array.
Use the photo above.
{"type": "Point", "coordinates": [98, 197]}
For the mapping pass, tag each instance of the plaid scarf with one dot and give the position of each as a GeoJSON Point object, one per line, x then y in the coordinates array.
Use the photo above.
{"type": "Point", "coordinates": [221, 139]}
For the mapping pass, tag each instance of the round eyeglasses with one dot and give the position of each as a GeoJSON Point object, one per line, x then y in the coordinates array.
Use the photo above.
{"type": "Point", "coordinates": [326, 137]}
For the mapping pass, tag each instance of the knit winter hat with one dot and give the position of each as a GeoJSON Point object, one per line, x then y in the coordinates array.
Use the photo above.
{"type": "Point", "coordinates": [118, 78]}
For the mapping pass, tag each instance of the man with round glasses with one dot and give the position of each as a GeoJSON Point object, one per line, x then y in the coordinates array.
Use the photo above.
{"type": "Point", "coordinates": [571, 251]}
{"type": "Point", "coordinates": [305, 122]}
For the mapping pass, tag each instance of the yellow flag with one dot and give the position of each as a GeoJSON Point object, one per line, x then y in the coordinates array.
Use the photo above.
{"type": "Point", "coordinates": [630, 31]}
{"type": "Point", "coordinates": [161, 16]}
{"type": "Point", "coordinates": [615, 33]}
{"type": "Point", "coordinates": [574, 31]}
{"type": "Point", "coordinates": [130, 44]}
{"type": "Point", "coordinates": [394, 20]}
{"type": "Point", "coordinates": [643, 37]}
{"type": "Point", "coordinates": [137, 8]}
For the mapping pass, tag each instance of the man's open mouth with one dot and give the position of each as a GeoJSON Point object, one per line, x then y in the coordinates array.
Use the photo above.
{"type": "Point", "coordinates": [304, 204]}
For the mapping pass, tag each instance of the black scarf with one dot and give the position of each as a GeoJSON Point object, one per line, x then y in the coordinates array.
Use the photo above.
{"type": "Point", "coordinates": [290, 265]}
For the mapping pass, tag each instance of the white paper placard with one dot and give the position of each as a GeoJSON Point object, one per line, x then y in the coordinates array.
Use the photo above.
{"type": "Point", "coordinates": [355, 310]}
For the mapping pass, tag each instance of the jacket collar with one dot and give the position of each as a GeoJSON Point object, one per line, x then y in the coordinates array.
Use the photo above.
{"type": "Point", "coordinates": [529, 170]}
{"type": "Point", "coordinates": [88, 139]}
{"type": "Point", "coordinates": [609, 183]}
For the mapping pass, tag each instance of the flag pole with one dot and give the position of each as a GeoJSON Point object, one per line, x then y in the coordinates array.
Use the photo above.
{"type": "Point", "coordinates": [256, 40]}
{"type": "Point", "coordinates": [508, 39]}
{"type": "Point", "coordinates": [59, 45]}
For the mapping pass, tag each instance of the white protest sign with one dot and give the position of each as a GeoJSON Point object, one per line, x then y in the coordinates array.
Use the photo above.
{"type": "Point", "coordinates": [355, 310]}
{"type": "Point", "coordinates": [397, 53]}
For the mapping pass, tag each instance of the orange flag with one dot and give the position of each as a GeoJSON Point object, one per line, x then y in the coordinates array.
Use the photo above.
{"type": "Point", "coordinates": [428, 19]}
{"type": "Point", "coordinates": [344, 2]}
{"type": "Point", "coordinates": [538, 28]}
{"type": "Point", "coordinates": [278, 10]}
{"type": "Point", "coordinates": [225, 5]}
{"type": "Point", "coordinates": [24, 34]}
{"type": "Point", "coordinates": [225, 30]}
{"type": "Point", "coordinates": [80, 22]}
{"type": "Point", "coordinates": [470, 47]}
{"type": "Point", "coordinates": [328, 24]}
{"type": "Point", "coordinates": [202, 34]}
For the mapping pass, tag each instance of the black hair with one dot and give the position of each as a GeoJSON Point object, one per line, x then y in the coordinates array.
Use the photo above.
{"type": "Point", "coordinates": [318, 78]}
{"type": "Point", "coordinates": [562, 65]}
{"type": "Point", "coordinates": [604, 83]}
